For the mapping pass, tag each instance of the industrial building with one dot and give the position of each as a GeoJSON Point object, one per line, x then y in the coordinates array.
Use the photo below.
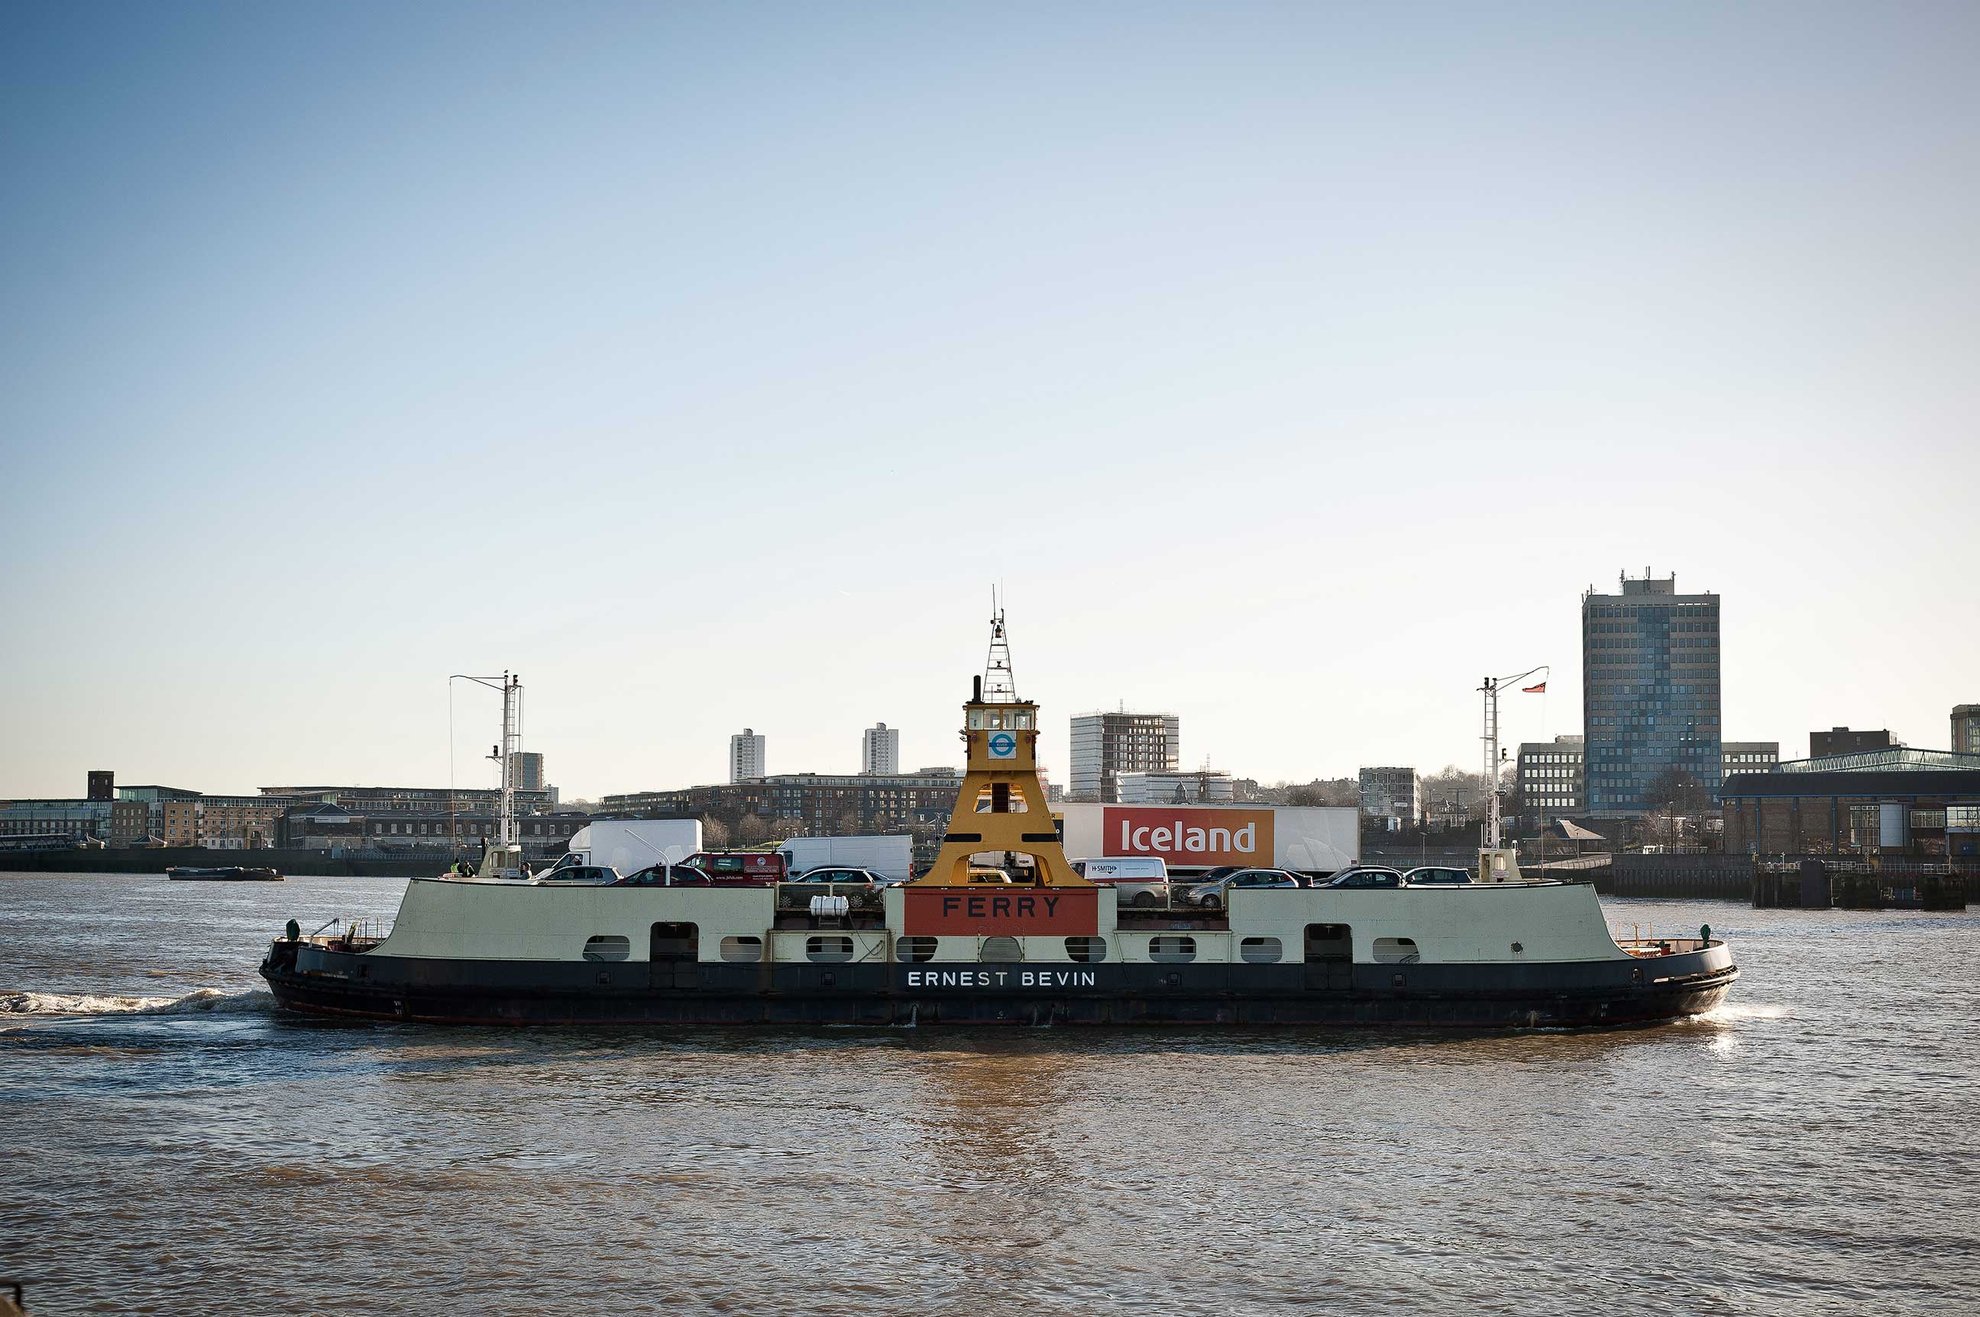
{"type": "Point", "coordinates": [528, 774]}
{"type": "Point", "coordinates": [1547, 778]}
{"type": "Point", "coordinates": [1650, 697]}
{"type": "Point", "coordinates": [410, 800]}
{"type": "Point", "coordinates": [1843, 741]}
{"type": "Point", "coordinates": [71, 821]}
{"type": "Point", "coordinates": [1966, 728]}
{"type": "Point", "coordinates": [1105, 745]}
{"type": "Point", "coordinates": [819, 804]}
{"type": "Point", "coordinates": [1202, 787]}
{"type": "Point", "coordinates": [1748, 756]}
{"type": "Point", "coordinates": [1393, 793]}
{"type": "Point", "coordinates": [1894, 801]}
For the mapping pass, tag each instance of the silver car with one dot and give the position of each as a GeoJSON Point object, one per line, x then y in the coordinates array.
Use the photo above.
{"type": "Point", "coordinates": [1437, 875]}
{"type": "Point", "coordinates": [1215, 894]}
{"type": "Point", "coordinates": [844, 877]}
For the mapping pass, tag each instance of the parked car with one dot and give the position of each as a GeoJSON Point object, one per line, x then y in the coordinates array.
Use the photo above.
{"type": "Point", "coordinates": [582, 875]}
{"type": "Point", "coordinates": [1214, 895]}
{"type": "Point", "coordinates": [666, 875]}
{"type": "Point", "coordinates": [1137, 880]}
{"type": "Point", "coordinates": [739, 868]}
{"type": "Point", "coordinates": [1436, 875]}
{"type": "Point", "coordinates": [844, 876]}
{"type": "Point", "coordinates": [1366, 876]}
{"type": "Point", "coordinates": [981, 874]}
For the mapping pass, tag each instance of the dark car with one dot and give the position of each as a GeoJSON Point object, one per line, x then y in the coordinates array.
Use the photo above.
{"type": "Point", "coordinates": [1366, 876]}
{"type": "Point", "coordinates": [1212, 895]}
{"type": "Point", "coordinates": [1436, 875]}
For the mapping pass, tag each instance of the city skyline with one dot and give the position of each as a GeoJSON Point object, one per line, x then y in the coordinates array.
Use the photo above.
{"type": "Point", "coordinates": [1293, 368]}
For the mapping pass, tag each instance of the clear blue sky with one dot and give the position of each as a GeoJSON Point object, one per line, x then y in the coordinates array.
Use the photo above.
{"type": "Point", "coordinates": [1294, 366]}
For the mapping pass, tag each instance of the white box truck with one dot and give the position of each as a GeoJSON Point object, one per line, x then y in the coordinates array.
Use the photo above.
{"type": "Point", "coordinates": [630, 845]}
{"type": "Point", "coordinates": [890, 857]}
{"type": "Point", "coordinates": [1192, 838]}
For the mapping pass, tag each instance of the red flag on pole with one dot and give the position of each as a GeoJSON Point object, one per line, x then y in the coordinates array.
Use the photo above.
{"type": "Point", "coordinates": [1541, 689]}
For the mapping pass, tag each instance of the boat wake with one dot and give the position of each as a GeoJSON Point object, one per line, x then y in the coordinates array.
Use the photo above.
{"type": "Point", "coordinates": [1740, 1012]}
{"type": "Point", "coordinates": [197, 1002]}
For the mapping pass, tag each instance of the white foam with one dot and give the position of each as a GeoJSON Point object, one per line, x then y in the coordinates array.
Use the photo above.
{"type": "Point", "coordinates": [202, 1000]}
{"type": "Point", "coordinates": [1734, 1012]}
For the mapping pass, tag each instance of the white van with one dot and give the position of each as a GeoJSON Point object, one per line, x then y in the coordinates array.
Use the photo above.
{"type": "Point", "coordinates": [1141, 880]}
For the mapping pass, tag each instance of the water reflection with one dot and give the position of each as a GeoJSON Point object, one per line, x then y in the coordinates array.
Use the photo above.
{"type": "Point", "coordinates": [1027, 1170]}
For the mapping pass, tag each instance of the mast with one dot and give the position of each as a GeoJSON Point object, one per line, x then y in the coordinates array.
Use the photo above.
{"type": "Point", "coordinates": [507, 756]}
{"type": "Point", "coordinates": [511, 753]}
{"type": "Point", "coordinates": [1490, 776]}
{"type": "Point", "coordinates": [999, 681]}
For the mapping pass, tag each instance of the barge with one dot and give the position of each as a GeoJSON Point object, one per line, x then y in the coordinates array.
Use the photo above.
{"type": "Point", "coordinates": [947, 947]}
{"type": "Point", "coordinates": [226, 873]}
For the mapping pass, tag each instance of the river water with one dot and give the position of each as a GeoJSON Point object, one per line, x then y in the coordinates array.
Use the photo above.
{"type": "Point", "coordinates": [174, 1144]}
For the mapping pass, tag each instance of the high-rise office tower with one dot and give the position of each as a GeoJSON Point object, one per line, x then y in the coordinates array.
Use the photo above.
{"type": "Point", "coordinates": [1650, 696]}
{"type": "Point", "coordinates": [880, 749]}
{"type": "Point", "coordinates": [745, 755]}
{"type": "Point", "coordinates": [1105, 745]}
{"type": "Point", "coordinates": [1966, 728]}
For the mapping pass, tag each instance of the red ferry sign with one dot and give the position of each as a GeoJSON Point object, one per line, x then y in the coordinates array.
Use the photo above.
{"type": "Point", "coordinates": [1000, 912]}
{"type": "Point", "coordinates": [1193, 837]}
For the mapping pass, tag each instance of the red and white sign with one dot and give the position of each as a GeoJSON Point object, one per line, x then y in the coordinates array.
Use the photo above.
{"type": "Point", "coordinates": [995, 911]}
{"type": "Point", "coordinates": [1195, 838]}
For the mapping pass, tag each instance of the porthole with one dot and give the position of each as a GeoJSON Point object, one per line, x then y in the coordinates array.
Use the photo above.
{"type": "Point", "coordinates": [914, 950]}
{"type": "Point", "coordinates": [1086, 950]}
{"type": "Point", "coordinates": [1395, 950]}
{"type": "Point", "coordinates": [1171, 948]}
{"type": "Point", "coordinates": [1261, 950]}
{"type": "Point", "coordinates": [1001, 949]}
{"type": "Point", "coordinates": [607, 946]}
{"type": "Point", "coordinates": [831, 947]}
{"type": "Point", "coordinates": [742, 948]}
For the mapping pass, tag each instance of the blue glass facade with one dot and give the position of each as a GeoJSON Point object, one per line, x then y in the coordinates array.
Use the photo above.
{"type": "Point", "coordinates": [1650, 697]}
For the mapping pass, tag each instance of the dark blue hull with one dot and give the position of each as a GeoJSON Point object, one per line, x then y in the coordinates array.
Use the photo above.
{"type": "Point", "coordinates": [1593, 994]}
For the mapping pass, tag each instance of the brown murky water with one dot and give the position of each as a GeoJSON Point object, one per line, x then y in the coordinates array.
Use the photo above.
{"type": "Point", "coordinates": [173, 1144]}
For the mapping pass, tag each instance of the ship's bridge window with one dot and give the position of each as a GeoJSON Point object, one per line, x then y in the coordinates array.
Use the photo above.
{"type": "Point", "coordinates": [607, 946]}
{"type": "Point", "coordinates": [1396, 950]}
{"type": "Point", "coordinates": [976, 718]}
{"type": "Point", "coordinates": [1020, 719]}
{"type": "Point", "coordinates": [1171, 948]}
{"type": "Point", "coordinates": [742, 948]}
{"type": "Point", "coordinates": [1261, 950]}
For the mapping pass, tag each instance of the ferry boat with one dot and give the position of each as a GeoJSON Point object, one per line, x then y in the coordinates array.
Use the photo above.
{"type": "Point", "coordinates": [1049, 949]}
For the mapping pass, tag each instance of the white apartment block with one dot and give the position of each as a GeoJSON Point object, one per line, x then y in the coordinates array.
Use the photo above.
{"type": "Point", "coordinates": [746, 756]}
{"type": "Point", "coordinates": [880, 749]}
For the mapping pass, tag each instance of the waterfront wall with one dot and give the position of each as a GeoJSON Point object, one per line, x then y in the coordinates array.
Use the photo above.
{"type": "Point", "coordinates": [158, 859]}
{"type": "Point", "coordinates": [1706, 877]}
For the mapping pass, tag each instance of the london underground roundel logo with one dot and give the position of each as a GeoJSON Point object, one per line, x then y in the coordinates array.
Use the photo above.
{"type": "Point", "coordinates": [1003, 745]}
